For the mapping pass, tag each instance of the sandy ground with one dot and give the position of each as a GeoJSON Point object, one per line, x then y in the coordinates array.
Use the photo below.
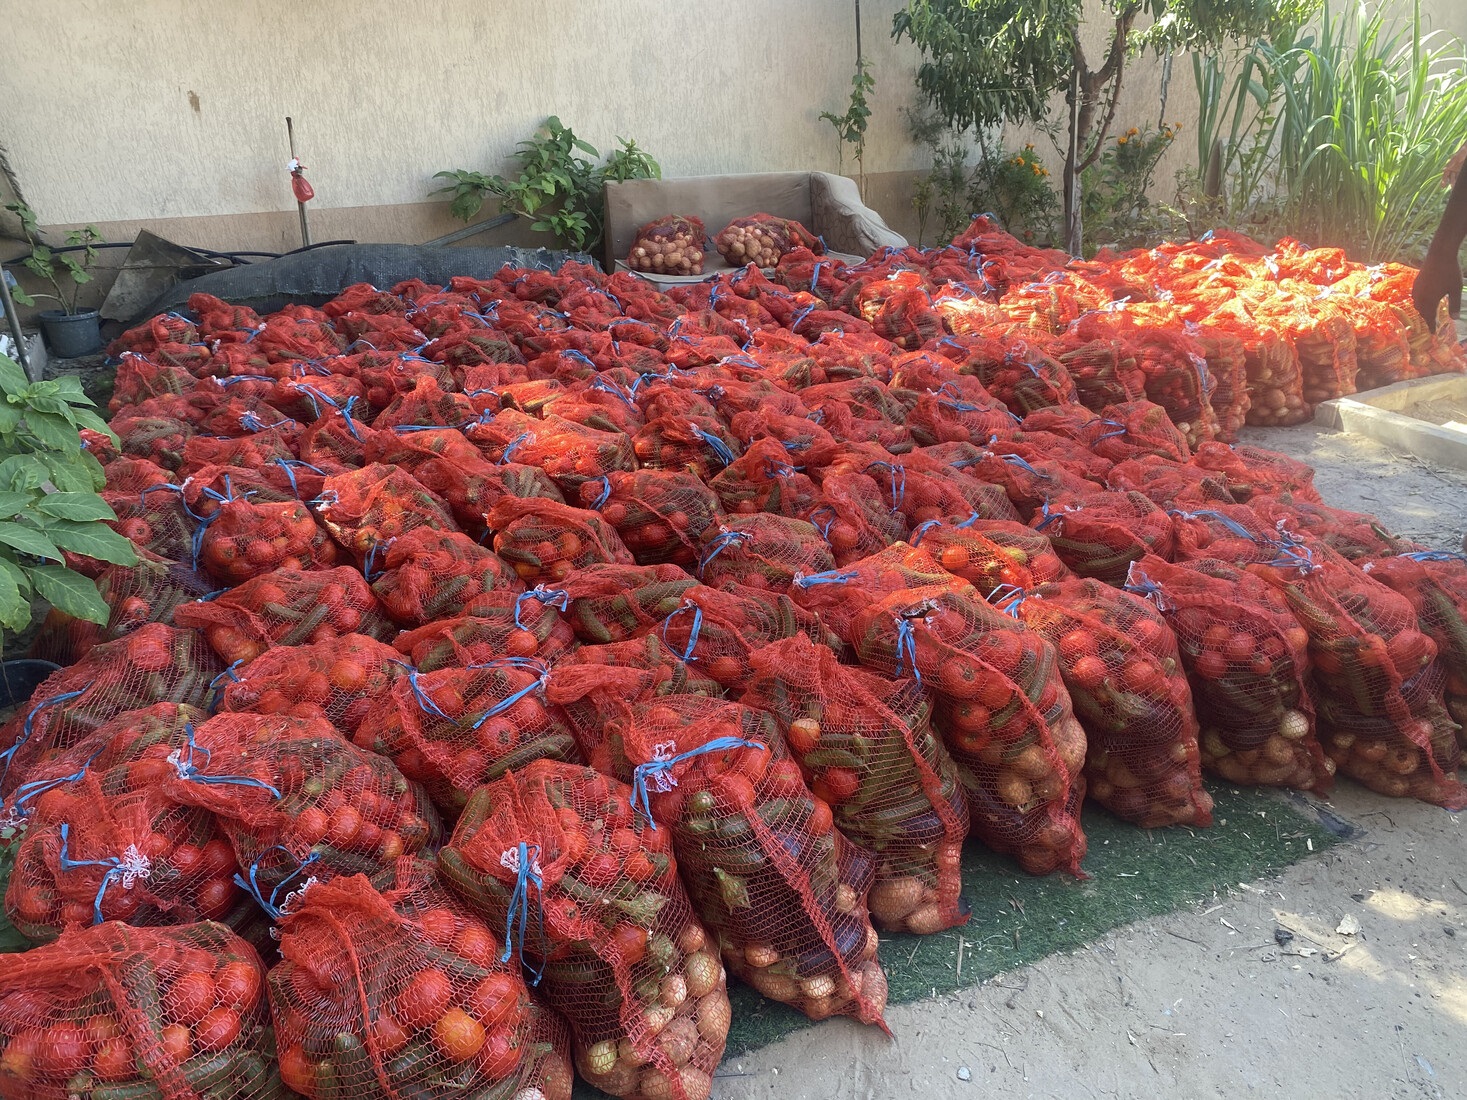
{"type": "Point", "coordinates": [1206, 1002]}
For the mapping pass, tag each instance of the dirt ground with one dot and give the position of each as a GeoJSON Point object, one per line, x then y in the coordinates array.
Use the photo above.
{"type": "Point", "coordinates": [1208, 1002]}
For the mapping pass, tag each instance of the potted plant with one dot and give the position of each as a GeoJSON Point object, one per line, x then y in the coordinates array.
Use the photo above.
{"type": "Point", "coordinates": [69, 332]}
{"type": "Point", "coordinates": [49, 507]}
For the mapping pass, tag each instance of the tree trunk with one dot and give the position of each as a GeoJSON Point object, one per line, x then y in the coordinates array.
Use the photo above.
{"type": "Point", "coordinates": [1079, 123]}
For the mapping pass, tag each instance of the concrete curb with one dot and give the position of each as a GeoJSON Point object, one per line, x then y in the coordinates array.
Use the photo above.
{"type": "Point", "coordinates": [1377, 415]}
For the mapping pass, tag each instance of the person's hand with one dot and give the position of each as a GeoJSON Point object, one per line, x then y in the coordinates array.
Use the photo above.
{"type": "Point", "coordinates": [1440, 277]}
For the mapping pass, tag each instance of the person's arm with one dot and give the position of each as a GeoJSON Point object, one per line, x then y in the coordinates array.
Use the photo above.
{"type": "Point", "coordinates": [1441, 272]}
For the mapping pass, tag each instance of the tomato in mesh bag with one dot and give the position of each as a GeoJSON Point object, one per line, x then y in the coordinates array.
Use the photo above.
{"type": "Point", "coordinates": [364, 509]}
{"type": "Point", "coordinates": [153, 664]}
{"type": "Point", "coordinates": [590, 892]}
{"type": "Point", "coordinates": [1004, 713]}
{"type": "Point", "coordinates": [457, 728]}
{"type": "Point", "coordinates": [132, 854]}
{"type": "Point", "coordinates": [114, 1010]}
{"type": "Point", "coordinates": [766, 478]}
{"type": "Point", "coordinates": [852, 518]}
{"type": "Point", "coordinates": [527, 624]}
{"type": "Point", "coordinates": [295, 798]}
{"type": "Point", "coordinates": [1225, 532]}
{"type": "Point", "coordinates": [661, 515]}
{"type": "Point", "coordinates": [471, 487]}
{"type": "Point", "coordinates": [1251, 471]}
{"type": "Point", "coordinates": [1377, 687]}
{"type": "Point", "coordinates": [427, 404]}
{"type": "Point", "coordinates": [990, 554]}
{"type": "Point", "coordinates": [1100, 534]}
{"type": "Point", "coordinates": [762, 551]}
{"type": "Point", "coordinates": [395, 990]}
{"type": "Point", "coordinates": [1355, 536]}
{"type": "Point", "coordinates": [700, 445]}
{"type": "Point", "coordinates": [410, 447]}
{"type": "Point", "coordinates": [570, 453]}
{"type": "Point", "coordinates": [429, 574]}
{"type": "Point", "coordinates": [336, 679]}
{"type": "Point", "coordinates": [1247, 659]}
{"type": "Point", "coordinates": [1120, 664]}
{"type": "Point", "coordinates": [946, 415]}
{"type": "Point", "coordinates": [610, 603]}
{"type": "Point", "coordinates": [544, 541]}
{"type": "Point", "coordinates": [921, 488]}
{"type": "Point", "coordinates": [1023, 485]}
{"type": "Point", "coordinates": [838, 595]}
{"type": "Point", "coordinates": [286, 607]}
{"type": "Point", "coordinates": [160, 439]}
{"type": "Point", "coordinates": [245, 540]}
{"type": "Point", "coordinates": [1436, 584]}
{"type": "Point", "coordinates": [868, 747]}
{"type": "Point", "coordinates": [762, 239]}
{"type": "Point", "coordinates": [1169, 484]}
{"type": "Point", "coordinates": [156, 520]}
{"type": "Point", "coordinates": [782, 891]}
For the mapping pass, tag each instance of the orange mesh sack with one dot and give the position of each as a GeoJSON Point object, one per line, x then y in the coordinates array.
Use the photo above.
{"type": "Point", "coordinates": [457, 728]}
{"type": "Point", "coordinates": [1247, 658]}
{"type": "Point", "coordinates": [543, 541]}
{"type": "Point", "coordinates": [428, 575]}
{"type": "Point", "coordinates": [395, 992]}
{"type": "Point", "coordinates": [570, 453]}
{"type": "Point", "coordinates": [471, 487]}
{"type": "Point", "coordinates": [689, 442]}
{"type": "Point", "coordinates": [990, 554]}
{"type": "Point", "coordinates": [1253, 471]}
{"type": "Point", "coordinates": [589, 894]}
{"type": "Point", "coordinates": [839, 595]}
{"type": "Point", "coordinates": [611, 603]}
{"type": "Point", "coordinates": [852, 517]}
{"type": "Point", "coordinates": [337, 680]}
{"type": "Point", "coordinates": [1100, 534]}
{"type": "Point", "coordinates": [286, 607]}
{"type": "Point", "coordinates": [367, 508]}
{"type": "Point", "coordinates": [1120, 664]}
{"type": "Point", "coordinates": [531, 624]}
{"type": "Point", "coordinates": [671, 245]}
{"type": "Point", "coordinates": [296, 799]}
{"type": "Point", "coordinates": [154, 664]}
{"type": "Point", "coordinates": [660, 514]}
{"type": "Point", "coordinates": [762, 551]}
{"type": "Point", "coordinates": [1377, 687]}
{"type": "Point", "coordinates": [868, 746]}
{"type": "Point", "coordinates": [762, 239]}
{"type": "Point", "coordinates": [1003, 712]}
{"type": "Point", "coordinates": [170, 1013]}
{"type": "Point", "coordinates": [244, 540]}
{"type": "Point", "coordinates": [782, 892]}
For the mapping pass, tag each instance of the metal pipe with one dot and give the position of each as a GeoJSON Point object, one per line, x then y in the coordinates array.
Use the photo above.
{"type": "Point", "coordinates": [14, 319]}
{"type": "Point", "coordinates": [300, 206]}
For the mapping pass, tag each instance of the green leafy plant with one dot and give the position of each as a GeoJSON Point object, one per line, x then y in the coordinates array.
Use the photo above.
{"type": "Point", "coordinates": [943, 191]}
{"type": "Point", "coordinates": [48, 499]}
{"type": "Point", "coordinates": [850, 127]}
{"type": "Point", "coordinates": [558, 188]}
{"type": "Point", "coordinates": [53, 266]}
{"type": "Point", "coordinates": [998, 61]}
{"type": "Point", "coordinates": [1118, 208]}
{"type": "Point", "coordinates": [1015, 187]}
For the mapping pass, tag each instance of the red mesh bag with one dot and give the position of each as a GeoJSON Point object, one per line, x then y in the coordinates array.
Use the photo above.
{"type": "Point", "coordinates": [457, 728]}
{"type": "Point", "coordinates": [99, 848]}
{"type": "Point", "coordinates": [1253, 471]}
{"type": "Point", "coordinates": [671, 245]}
{"type": "Point", "coordinates": [396, 992]}
{"type": "Point", "coordinates": [604, 404]}
{"type": "Point", "coordinates": [1024, 485]}
{"type": "Point", "coordinates": [429, 574]}
{"type": "Point", "coordinates": [1227, 532]}
{"type": "Point", "coordinates": [765, 478]}
{"type": "Point", "coordinates": [1168, 484]}
{"type": "Point", "coordinates": [948, 416]}
{"type": "Point", "coordinates": [1003, 712]}
{"type": "Point", "coordinates": [852, 518]}
{"type": "Point", "coordinates": [427, 404]}
{"type": "Point", "coordinates": [1435, 583]}
{"type": "Point", "coordinates": [336, 679]}
{"type": "Point", "coordinates": [1100, 534]}
{"type": "Point", "coordinates": [160, 439]}
{"type": "Point", "coordinates": [336, 442]}
{"type": "Point", "coordinates": [1355, 536]}
{"type": "Point", "coordinates": [286, 607]}
{"type": "Point", "coordinates": [921, 488]}
{"type": "Point", "coordinates": [1247, 659]}
{"type": "Point", "coordinates": [611, 603]}
{"type": "Point", "coordinates": [1120, 664]}
{"type": "Point", "coordinates": [1020, 375]}
{"type": "Point", "coordinates": [1139, 428]}
{"type": "Point", "coordinates": [762, 239]}
{"type": "Point", "coordinates": [139, 379]}
{"type": "Point", "coordinates": [603, 920]}
{"type": "Point", "coordinates": [170, 1013]}
{"type": "Point", "coordinates": [661, 515]}
{"type": "Point", "coordinates": [1227, 376]}
{"type": "Point", "coordinates": [699, 445]}
{"type": "Point", "coordinates": [153, 664]}
{"type": "Point", "coordinates": [410, 449]}
{"type": "Point", "coordinates": [1275, 378]}
{"type": "Point", "coordinates": [528, 624]}
{"type": "Point", "coordinates": [365, 508]}
{"type": "Point", "coordinates": [296, 799]}
{"type": "Point", "coordinates": [990, 554]}
{"type": "Point", "coordinates": [1321, 335]}
{"type": "Point", "coordinates": [1377, 688]}
{"type": "Point", "coordinates": [245, 540]}
{"type": "Point", "coordinates": [836, 596]}
{"type": "Point", "coordinates": [867, 745]}
{"type": "Point", "coordinates": [570, 453]}
{"type": "Point", "coordinates": [471, 488]}
{"type": "Point", "coordinates": [245, 452]}
{"type": "Point", "coordinates": [1104, 371]}
{"type": "Point", "coordinates": [155, 520]}
{"type": "Point", "coordinates": [544, 541]}
{"type": "Point", "coordinates": [782, 892]}
{"type": "Point", "coordinates": [762, 551]}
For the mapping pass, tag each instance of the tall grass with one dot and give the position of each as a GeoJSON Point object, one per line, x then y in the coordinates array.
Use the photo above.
{"type": "Point", "coordinates": [1340, 136]}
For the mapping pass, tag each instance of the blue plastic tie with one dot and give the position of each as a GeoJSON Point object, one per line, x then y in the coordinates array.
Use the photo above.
{"type": "Point", "coordinates": [1140, 584]}
{"type": "Point", "coordinates": [697, 628]}
{"type": "Point", "coordinates": [525, 664]}
{"type": "Point", "coordinates": [922, 528]}
{"type": "Point", "coordinates": [798, 317]}
{"type": "Point", "coordinates": [716, 445]}
{"type": "Point", "coordinates": [251, 422]}
{"type": "Point", "coordinates": [425, 702]}
{"type": "Point", "coordinates": [126, 869]}
{"type": "Point", "coordinates": [1232, 525]}
{"type": "Point", "coordinates": [369, 566]}
{"type": "Point", "coordinates": [251, 885]}
{"type": "Point", "coordinates": [1007, 598]}
{"type": "Point", "coordinates": [37, 787]}
{"type": "Point", "coordinates": [906, 647]}
{"type": "Point", "coordinates": [658, 772]}
{"type": "Point", "coordinates": [1019, 461]}
{"type": "Point", "coordinates": [513, 444]}
{"type": "Point", "coordinates": [826, 521]}
{"type": "Point", "coordinates": [603, 496]}
{"type": "Point", "coordinates": [558, 598]}
{"type": "Point", "coordinates": [26, 729]}
{"type": "Point", "coordinates": [605, 386]}
{"type": "Point", "coordinates": [526, 867]}
{"type": "Point", "coordinates": [829, 576]}
{"type": "Point", "coordinates": [898, 481]}
{"type": "Point", "coordinates": [289, 464]}
{"type": "Point", "coordinates": [182, 760]}
{"type": "Point", "coordinates": [723, 541]}
{"type": "Point", "coordinates": [1434, 555]}
{"type": "Point", "coordinates": [773, 468]}
{"type": "Point", "coordinates": [216, 686]}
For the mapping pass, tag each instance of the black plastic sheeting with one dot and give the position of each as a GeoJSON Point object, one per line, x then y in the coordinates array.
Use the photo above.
{"type": "Point", "coordinates": [319, 275]}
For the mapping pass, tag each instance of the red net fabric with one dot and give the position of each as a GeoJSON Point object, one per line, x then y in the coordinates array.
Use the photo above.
{"type": "Point", "coordinates": [175, 1013]}
{"type": "Point", "coordinates": [839, 595]}
{"type": "Point", "coordinates": [767, 477]}
{"type": "Point", "coordinates": [762, 551]}
{"type": "Point", "coordinates": [661, 515]}
{"type": "Point", "coordinates": [990, 554]}
{"type": "Point", "coordinates": [531, 624]}
{"type": "Point", "coordinates": [246, 540]}
{"type": "Point", "coordinates": [368, 508]}
{"type": "Point", "coordinates": [1003, 712]}
{"type": "Point", "coordinates": [429, 574]}
{"type": "Point", "coordinates": [1254, 471]}
{"type": "Point", "coordinates": [544, 541]}
{"type": "Point", "coordinates": [591, 891]}
{"type": "Point", "coordinates": [611, 603]}
{"type": "Point", "coordinates": [867, 746]}
{"type": "Point", "coordinates": [337, 679]}
{"type": "Point", "coordinates": [1099, 535]}
{"type": "Point", "coordinates": [762, 239]}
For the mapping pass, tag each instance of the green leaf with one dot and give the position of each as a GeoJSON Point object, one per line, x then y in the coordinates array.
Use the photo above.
{"type": "Point", "coordinates": [12, 379]}
{"type": "Point", "coordinates": [27, 540]}
{"type": "Point", "coordinates": [70, 473]}
{"type": "Point", "coordinates": [15, 608]}
{"type": "Point", "coordinates": [54, 432]}
{"type": "Point", "coordinates": [19, 473]}
{"type": "Point", "coordinates": [13, 503]}
{"type": "Point", "coordinates": [92, 540]}
{"type": "Point", "coordinates": [80, 507]}
{"type": "Point", "coordinates": [49, 404]}
{"type": "Point", "coordinates": [14, 571]}
{"type": "Point", "coordinates": [85, 418]}
{"type": "Point", "coordinates": [9, 419]}
{"type": "Point", "coordinates": [70, 592]}
{"type": "Point", "coordinates": [21, 296]}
